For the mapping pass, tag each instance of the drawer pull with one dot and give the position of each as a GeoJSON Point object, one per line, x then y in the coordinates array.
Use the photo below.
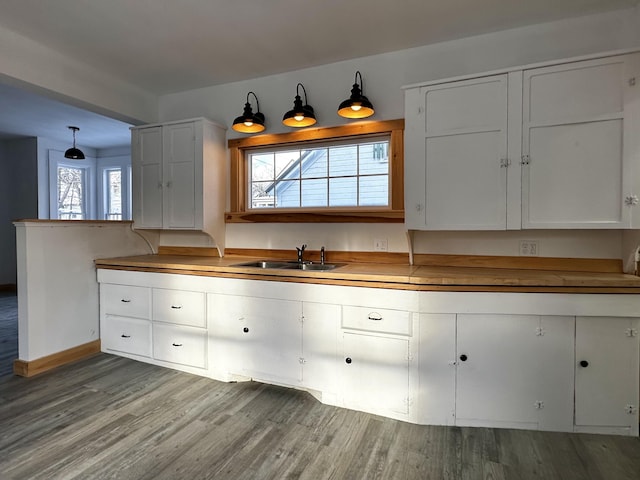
{"type": "Point", "coordinates": [176, 307]}
{"type": "Point", "coordinates": [125, 301]}
{"type": "Point", "coordinates": [375, 316]}
{"type": "Point", "coordinates": [125, 336]}
{"type": "Point", "coordinates": [176, 344]}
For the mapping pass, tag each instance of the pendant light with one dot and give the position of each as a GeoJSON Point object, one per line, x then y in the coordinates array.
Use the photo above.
{"type": "Point", "coordinates": [300, 116]}
{"type": "Point", "coordinates": [249, 122]}
{"type": "Point", "coordinates": [356, 106]}
{"type": "Point", "coordinates": [74, 153]}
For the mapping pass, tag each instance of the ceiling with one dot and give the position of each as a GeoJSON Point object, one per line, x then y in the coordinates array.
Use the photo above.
{"type": "Point", "coordinates": [167, 46]}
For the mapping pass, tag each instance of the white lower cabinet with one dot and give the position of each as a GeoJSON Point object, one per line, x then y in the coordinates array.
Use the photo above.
{"type": "Point", "coordinates": [560, 362]}
{"type": "Point", "coordinates": [514, 371]}
{"type": "Point", "coordinates": [182, 345]}
{"type": "Point", "coordinates": [376, 374]}
{"type": "Point", "coordinates": [607, 375]}
{"type": "Point", "coordinates": [376, 360]}
{"type": "Point", "coordinates": [126, 335]}
{"type": "Point", "coordinates": [259, 338]}
{"type": "Point", "coordinates": [559, 373]}
{"type": "Point", "coordinates": [320, 329]}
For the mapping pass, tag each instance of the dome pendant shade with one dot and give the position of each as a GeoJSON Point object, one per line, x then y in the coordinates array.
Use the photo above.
{"type": "Point", "coordinates": [74, 153]}
{"type": "Point", "coordinates": [301, 115]}
{"type": "Point", "coordinates": [249, 122]}
{"type": "Point", "coordinates": [357, 105]}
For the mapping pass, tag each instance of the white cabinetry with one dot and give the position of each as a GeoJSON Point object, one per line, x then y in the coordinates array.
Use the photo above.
{"type": "Point", "coordinates": [179, 177]}
{"type": "Point", "coordinates": [377, 361]}
{"type": "Point", "coordinates": [159, 325]}
{"type": "Point", "coordinates": [457, 155]}
{"type": "Point", "coordinates": [548, 147]}
{"type": "Point", "coordinates": [543, 372]}
{"type": "Point", "coordinates": [125, 319]}
{"type": "Point", "coordinates": [259, 338]}
{"type": "Point", "coordinates": [514, 371]}
{"type": "Point", "coordinates": [578, 139]}
{"type": "Point", "coordinates": [607, 375]}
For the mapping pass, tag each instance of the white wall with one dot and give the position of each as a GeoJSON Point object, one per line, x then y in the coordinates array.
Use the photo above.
{"type": "Point", "coordinates": [384, 75]}
{"type": "Point", "coordinates": [18, 198]}
{"type": "Point", "coordinates": [57, 286]}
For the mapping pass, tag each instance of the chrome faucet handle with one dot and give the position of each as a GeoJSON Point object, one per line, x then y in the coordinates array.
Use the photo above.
{"type": "Point", "coordinates": [301, 253]}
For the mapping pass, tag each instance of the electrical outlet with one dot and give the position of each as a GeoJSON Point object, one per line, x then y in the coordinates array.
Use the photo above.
{"type": "Point", "coordinates": [380, 245]}
{"type": "Point", "coordinates": [529, 248]}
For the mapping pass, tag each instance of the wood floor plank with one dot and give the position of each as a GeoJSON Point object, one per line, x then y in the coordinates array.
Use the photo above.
{"type": "Point", "coordinates": [109, 417]}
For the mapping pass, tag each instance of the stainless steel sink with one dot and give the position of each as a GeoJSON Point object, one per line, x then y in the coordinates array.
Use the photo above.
{"type": "Point", "coordinates": [282, 265]}
{"type": "Point", "coordinates": [317, 266]}
{"type": "Point", "coordinates": [268, 264]}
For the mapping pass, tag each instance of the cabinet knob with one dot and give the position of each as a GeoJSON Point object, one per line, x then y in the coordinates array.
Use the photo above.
{"type": "Point", "coordinates": [463, 357]}
{"type": "Point", "coordinates": [348, 360]}
{"type": "Point", "coordinates": [584, 363]}
{"type": "Point", "coordinates": [125, 336]}
{"type": "Point", "coordinates": [176, 344]}
{"type": "Point", "coordinates": [245, 329]}
{"type": "Point", "coordinates": [124, 300]}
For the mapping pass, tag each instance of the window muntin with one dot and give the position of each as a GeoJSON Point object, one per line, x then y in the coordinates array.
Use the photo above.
{"type": "Point", "coordinates": [349, 173]}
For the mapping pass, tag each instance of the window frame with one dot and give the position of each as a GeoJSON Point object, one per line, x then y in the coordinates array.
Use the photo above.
{"type": "Point", "coordinates": [56, 159]}
{"type": "Point", "coordinates": [239, 181]}
{"type": "Point", "coordinates": [122, 162]}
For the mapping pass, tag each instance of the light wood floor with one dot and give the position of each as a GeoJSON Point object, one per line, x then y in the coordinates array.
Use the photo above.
{"type": "Point", "coordinates": [109, 417]}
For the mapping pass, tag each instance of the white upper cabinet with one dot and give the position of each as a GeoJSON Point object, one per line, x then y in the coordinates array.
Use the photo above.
{"type": "Point", "coordinates": [548, 147]}
{"type": "Point", "coordinates": [457, 155]}
{"type": "Point", "coordinates": [179, 177]}
{"type": "Point", "coordinates": [577, 144]}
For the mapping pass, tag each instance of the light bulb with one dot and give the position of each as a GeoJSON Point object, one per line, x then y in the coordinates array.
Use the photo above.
{"type": "Point", "coordinates": [356, 106]}
{"type": "Point", "coordinates": [299, 117]}
{"type": "Point", "coordinates": [248, 123]}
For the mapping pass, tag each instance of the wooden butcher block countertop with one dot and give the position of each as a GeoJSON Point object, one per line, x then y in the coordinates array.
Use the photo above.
{"type": "Point", "coordinates": [429, 273]}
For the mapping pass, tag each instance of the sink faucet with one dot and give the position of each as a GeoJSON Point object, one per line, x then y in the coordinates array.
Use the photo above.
{"type": "Point", "coordinates": [301, 253]}
{"type": "Point", "coordinates": [322, 255]}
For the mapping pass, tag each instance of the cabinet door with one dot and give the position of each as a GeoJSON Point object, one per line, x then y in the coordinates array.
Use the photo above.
{"type": "Point", "coordinates": [180, 170]}
{"type": "Point", "coordinates": [576, 120]}
{"type": "Point", "coordinates": [462, 140]}
{"type": "Point", "coordinates": [606, 373]}
{"type": "Point", "coordinates": [260, 338]}
{"type": "Point", "coordinates": [514, 371]}
{"type": "Point", "coordinates": [147, 174]}
{"type": "Point", "coordinates": [437, 367]}
{"type": "Point", "coordinates": [376, 373]}
{"type": "Point", "coordinates": [319, 348]}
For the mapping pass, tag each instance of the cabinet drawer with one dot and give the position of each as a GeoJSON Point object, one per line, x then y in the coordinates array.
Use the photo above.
{"type": "Point", "coordinates": [183, 345]}
{"type": "Point", "coordinates": [179, 306]}
{"type": "Point", "coordinates": [376, 320]}
{"type": "Point", "coordinates": [128, 335]}
{"type": "Point", "coordinates": [125, 300]}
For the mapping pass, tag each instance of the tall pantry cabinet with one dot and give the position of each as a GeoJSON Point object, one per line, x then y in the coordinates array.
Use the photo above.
{"type": "Point", "coordinates": [179, 177]}
{"type": "Point", "coordinates": [545, 147]}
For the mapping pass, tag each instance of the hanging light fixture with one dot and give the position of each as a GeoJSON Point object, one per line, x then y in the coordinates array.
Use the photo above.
{"type": "Point", "coordinates": [356, 106]}
{"type": "Point", "coordinates": [249, 122]}
{"type": "Point", "coordinates": [300, 116]}
{"type": "Point", "coordinates": [73, 152]}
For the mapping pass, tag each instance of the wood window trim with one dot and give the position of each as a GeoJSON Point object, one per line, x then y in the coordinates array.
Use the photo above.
{"type": "Point", "coordinates": [238, 177]}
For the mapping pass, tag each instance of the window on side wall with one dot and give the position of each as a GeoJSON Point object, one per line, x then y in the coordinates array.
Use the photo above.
{"type": "Point", "coordinates": [71, 187]}
{"type": "Point", "coordinates": [339, 174]}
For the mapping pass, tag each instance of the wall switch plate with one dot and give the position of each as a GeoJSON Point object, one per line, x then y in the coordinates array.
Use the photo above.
{"type": "Point", "coordinates": [529, 248]}
{"type": "Point", "coordinates": [380, 245]}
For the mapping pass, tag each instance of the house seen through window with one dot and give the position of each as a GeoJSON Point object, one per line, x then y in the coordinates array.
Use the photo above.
{"type": "Point", "coordinates": [350, 173]}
